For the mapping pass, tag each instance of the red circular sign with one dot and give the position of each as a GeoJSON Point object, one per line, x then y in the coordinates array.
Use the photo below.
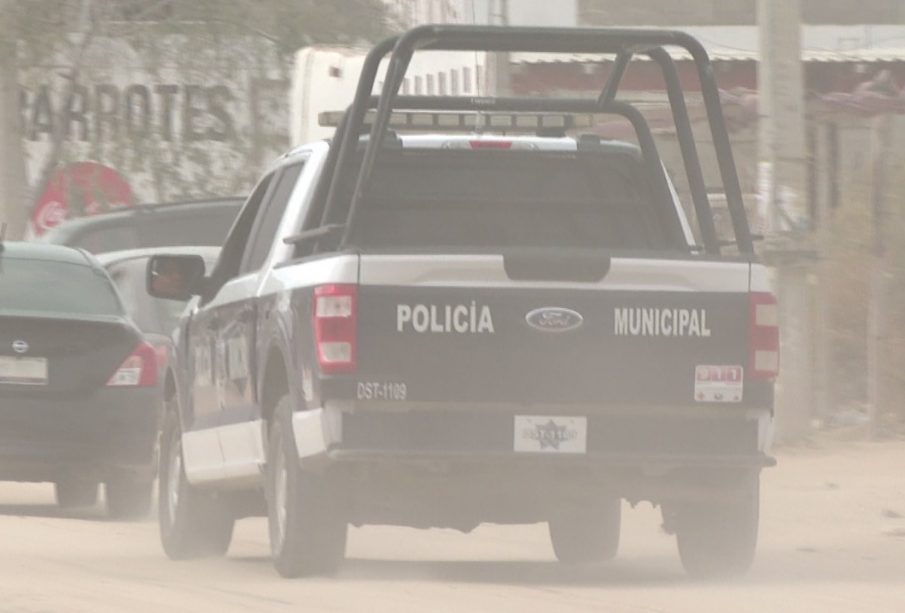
{"type": "Point", "coordinates": [81, 188]}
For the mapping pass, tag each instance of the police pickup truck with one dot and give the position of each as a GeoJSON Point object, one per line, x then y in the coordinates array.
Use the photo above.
{"type": "Point", "coordinates": [499, 319]}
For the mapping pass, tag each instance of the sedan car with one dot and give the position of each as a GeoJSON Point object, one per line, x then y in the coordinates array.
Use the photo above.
{"type": "Point", "coordinates": [201, 222]}
{"type": "Point", "coordinates": [79, 399]}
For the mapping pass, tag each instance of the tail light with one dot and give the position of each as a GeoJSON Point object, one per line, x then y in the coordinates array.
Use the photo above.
{"type": "Point", "coordinates": [764, 336]}
{"type": "Point", "coordinates": [137, 370]}
{"type": "Point", "coordinates": [336, 327]}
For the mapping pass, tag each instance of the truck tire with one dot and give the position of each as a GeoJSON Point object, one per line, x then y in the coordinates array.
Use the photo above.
{"type": "Point", "coordinates": [718, 540]}
{"type": "Point", "coordinates": [193, 523]}
{"type": "Point", "coordinates": [128, 497]}
{"type": "Point", "coordinates": [587, 535]}
{"type": "Point", "coordinates": [73, 493]}
{"type": "Point", "coordinates": [307, 528]}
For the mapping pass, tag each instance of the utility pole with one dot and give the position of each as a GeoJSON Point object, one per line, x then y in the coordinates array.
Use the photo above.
{"type": "Point", "coordinates": [13, 182]}
{"type": "Point", "coordinates": [782, 180]}
{"type": "Point", "coordinates": [883, 132]}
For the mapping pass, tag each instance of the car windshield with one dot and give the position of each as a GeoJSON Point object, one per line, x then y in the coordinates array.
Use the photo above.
{"type": "Point", "coordinates": [48, 286]}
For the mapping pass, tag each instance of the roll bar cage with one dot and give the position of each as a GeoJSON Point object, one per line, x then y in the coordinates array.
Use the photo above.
{"type": "Point", "coordinates": [624, 43]}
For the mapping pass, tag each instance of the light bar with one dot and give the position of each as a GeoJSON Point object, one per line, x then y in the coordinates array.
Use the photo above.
{"type": "Point", "coordinates": [447, 121]}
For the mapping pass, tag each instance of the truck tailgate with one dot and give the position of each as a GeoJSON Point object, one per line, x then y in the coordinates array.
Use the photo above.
{"type": "Point", "coordinates": [459, 329]}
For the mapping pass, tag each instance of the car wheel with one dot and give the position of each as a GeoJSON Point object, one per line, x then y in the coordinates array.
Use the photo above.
{"type": "Point", "coordinates": [718, 540]}
{"type": "Point", "coordinates": [307, 529]}
{"type": "Point", "coordinates": [128, 497]}
{"type": "Point", "coordinates": [589, 534]}
{"type": "Point", "coordinates": [73, 493]}
{"type": "Point", "coordinates": [193, 523]}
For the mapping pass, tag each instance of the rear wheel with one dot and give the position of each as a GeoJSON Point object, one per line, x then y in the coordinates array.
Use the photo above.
{"type": "Point", "coordinates": [128, 497]}
{"type": "Point", "coordinates": [193, 523]}
{"type": "Point", "coordinates": [307, 529]}
{"type": "Point", "coordinates": [718, 540]}
{"type": "Point", "coordinates": [73, 493]}
{"type": "Point", "coordinates": [589, 534]}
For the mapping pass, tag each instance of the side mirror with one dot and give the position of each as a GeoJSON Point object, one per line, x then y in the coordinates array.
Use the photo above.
{"type": "Point", "coordinates": [175, 277]}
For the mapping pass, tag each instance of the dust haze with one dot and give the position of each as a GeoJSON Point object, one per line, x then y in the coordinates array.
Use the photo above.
{"type": "Point", "coordinates": [582, 305]}
{"type": "Point", "coordinates": [831, 540]}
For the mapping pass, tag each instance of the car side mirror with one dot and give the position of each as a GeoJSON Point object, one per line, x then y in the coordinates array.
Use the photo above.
{"type": "Point", "coordinates": [175, 277]}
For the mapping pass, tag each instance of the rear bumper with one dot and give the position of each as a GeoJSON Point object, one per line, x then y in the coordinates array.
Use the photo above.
{"type": "Point", "coordinates": [642, 438]}
{"type": "Point", "coordinates": [459, 468]}
{"type": "Point", "coordinates": [649, 461]}
{"type": "Point", "coordinates": [48, 437]}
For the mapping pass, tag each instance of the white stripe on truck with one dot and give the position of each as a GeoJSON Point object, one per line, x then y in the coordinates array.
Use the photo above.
{"type": "Point", "coordinates": [628, 274]}
{"type": "Point", "coordinates": [322, 271]}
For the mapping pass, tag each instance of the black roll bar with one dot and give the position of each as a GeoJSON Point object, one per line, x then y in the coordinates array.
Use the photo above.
{"type": "Point", "coordinates": [347, 134]}
{"type": "Point", "coordinates": [687, 145]}
{"type": "Point", "coordinates": [689, 149]}
{"type": "Point", "coordinates": [612, 83]}
{"type": "Point", "coordinates": [646, 142]}
{"type": "Point", "coordinates": [623, 42]}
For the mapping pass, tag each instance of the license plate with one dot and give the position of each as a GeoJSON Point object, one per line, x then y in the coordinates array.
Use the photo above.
{"type": "Point", "coordinates": [551, 434]}
{"type": "Point", "coordinates": [719, 383]}
{"type": "Point", "coordinates": [23, 371]}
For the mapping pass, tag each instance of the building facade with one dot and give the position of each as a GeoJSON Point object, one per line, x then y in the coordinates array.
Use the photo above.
{"type": "Point", "coordinates": [177, 117]}
{"type": "Point", "coordinates": [731, 12]}
{"type": "Point", "coordinates": [410, 13]}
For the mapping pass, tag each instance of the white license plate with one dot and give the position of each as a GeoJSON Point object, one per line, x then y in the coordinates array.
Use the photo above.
{"type": "Point", "coordinates": [551, 434]}
{"type": "Point", "coordinates": [719, 383]}
{"type": "Point", "coordinates": [23, 371]}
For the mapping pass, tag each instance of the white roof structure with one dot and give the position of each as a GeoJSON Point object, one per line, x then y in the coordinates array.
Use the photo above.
{"type": "Point", "coordinates": [863, 43]}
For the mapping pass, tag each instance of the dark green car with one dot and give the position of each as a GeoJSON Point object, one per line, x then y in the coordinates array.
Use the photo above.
{"type": "Point", "coordinates": [79, 387]}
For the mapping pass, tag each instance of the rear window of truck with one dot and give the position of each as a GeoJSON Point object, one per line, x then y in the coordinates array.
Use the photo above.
{"type": "Point", "coordinates": [512, 199]}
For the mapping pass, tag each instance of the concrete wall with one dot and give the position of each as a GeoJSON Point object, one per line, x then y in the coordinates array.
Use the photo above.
{"type": "Point", "coordinates": [179, 118]}
{"type": "Point", "coordinates": [851, 170]}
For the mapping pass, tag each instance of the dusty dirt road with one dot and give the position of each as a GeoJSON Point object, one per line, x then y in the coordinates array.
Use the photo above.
{"type": "Point", "coordinates": [831, 542]}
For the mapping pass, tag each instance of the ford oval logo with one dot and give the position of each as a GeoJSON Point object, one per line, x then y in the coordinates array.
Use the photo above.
{"type": "Point", "coordinates": [20, 346]}
{"type": "Point", "coordinates": [554, 319]}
